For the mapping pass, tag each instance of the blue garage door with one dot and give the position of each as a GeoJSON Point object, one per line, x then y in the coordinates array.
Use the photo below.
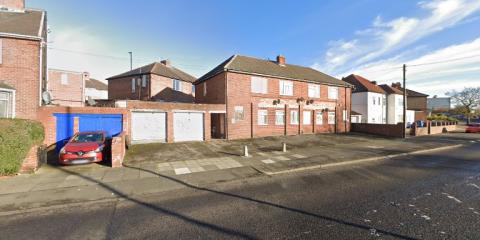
{"type": "Point", "coordinates": [110, 123]}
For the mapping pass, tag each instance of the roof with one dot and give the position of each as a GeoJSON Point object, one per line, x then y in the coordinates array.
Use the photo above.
{"type": "Point", "coordinates": [412, 93]}
{"type": "Point", "coordinates": [28, 23]}
{"type": "Point", "coordinates": [391, 90]}
{"type": "Point", "coordinates": [6, 86]}
{"type": "Point", "coordinates": [94, 83]}
{"type": "Point", "coordinates": [255, 66]}
{"type": "Point", "coordinates": [363, 85]}
{"type": "Point", "coordinates": [158, 69]}
{"type": "Point", "coordinates": [352, 113]}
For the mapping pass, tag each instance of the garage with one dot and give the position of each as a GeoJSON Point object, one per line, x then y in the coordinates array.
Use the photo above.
{"type": "Point", "coordinates": [148, 127]}
{"type": "Point", "coordinates": [188, 126]}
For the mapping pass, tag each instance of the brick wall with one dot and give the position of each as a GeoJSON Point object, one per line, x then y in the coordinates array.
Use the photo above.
{"type": "Point", "coordinates": [20, 68]}
{"type": "Point", "coordinates": [13, 4]}
{"type": "Point", "coordinates": [158, 88]}
{"type": "Point", "coordinates": [69, 93]}
{"type": "Point", "coordinates": [417, 103]}
{"type": "Point", "coordinates": [215, 90]}
{"type": "Point", "coordinates": [239, 95]}
{"type": "Point", "coordinates": [46, 117]}
{"type": "Point", "coordinates": [388, 130]}
{"type": "Point", "coordinates": [420, 116]}
{"type": "Point", "coordinates": [32, 161]}
{"type": "Point", "coordinates": [118, 150]}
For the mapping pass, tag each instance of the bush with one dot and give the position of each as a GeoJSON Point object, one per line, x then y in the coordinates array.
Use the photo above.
{"type": "Point", "coordinates": [17, 136]}
{"type": "Point", "coordinates": [441, 117]}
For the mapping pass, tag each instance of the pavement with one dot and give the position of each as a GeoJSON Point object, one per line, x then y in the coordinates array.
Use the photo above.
{"type": "Point", "coordinates": [147, 171]}
{"type": "Point", "coordinates": [430, 195]}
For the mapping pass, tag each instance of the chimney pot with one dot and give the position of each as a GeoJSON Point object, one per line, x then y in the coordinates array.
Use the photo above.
{"type": "Point", "coordinates": [166, 62]}
{"type": "Point", "coordinates": [281, 60]}
{"type": "Point", "coordinates": [374, 82]}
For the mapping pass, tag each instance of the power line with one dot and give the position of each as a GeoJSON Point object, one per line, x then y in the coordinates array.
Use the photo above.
{"type": "Point", "coordinates": [444, 61]}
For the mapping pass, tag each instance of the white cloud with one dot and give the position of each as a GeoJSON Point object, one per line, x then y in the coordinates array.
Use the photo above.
{"type": "Point", "coordinates": [436, 78]}
{"type": "Point", "coordinates": [384, 37]}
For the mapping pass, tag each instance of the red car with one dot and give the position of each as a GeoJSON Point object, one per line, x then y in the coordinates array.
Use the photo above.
{"type": "Point", "coordinates": [473, 128]}
{"type": "Point", "coordinates": [84, 147]}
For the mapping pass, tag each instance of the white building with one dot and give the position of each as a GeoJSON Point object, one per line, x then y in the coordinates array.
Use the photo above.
{"type": "Point", "coordinates": [95, 89]}
{"type": "Point", "coordinates": [395, 106]}
{"type": "Point", "coordinates": [368, 99]}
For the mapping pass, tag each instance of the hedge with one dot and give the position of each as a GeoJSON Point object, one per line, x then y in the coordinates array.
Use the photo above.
{"type": "Point", "coordinates": [17, 136]}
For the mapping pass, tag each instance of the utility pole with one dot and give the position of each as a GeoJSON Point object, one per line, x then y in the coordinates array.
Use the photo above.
{"type": "Point", "coordinates": [131, 61]}
{"type": "Point", "coordinates": [404, 102]}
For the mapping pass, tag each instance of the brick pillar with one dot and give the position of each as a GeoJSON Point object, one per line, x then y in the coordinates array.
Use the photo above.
{"type": "Point", "coordinates": [170, 127]}
{"type": "Point", "coordinates": [207, 125]}
{"type": "Point", "coordinates": [314, 120]}
{"type": "Point", "coordinates": [76, 125]}
{"type": "Point", "coordinates": [286, 119]}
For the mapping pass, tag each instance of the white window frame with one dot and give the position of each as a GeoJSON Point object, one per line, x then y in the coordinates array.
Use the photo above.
{"type": "Point", "coordinates": [258, 85]}
{"type": "Point", "coordinates": [204, 88]}
{"type": "Point", "coordinates": [10, 102]}
{"type": "Point", "coordinates": [64, 78]}
{"type": "Point", "coordinates": [313, 90]}
{"type": "Point", "coordinates": [345, 115]}
{"type": "Point", "coordinates": [286, 88]}
{"type": "Point", "coordinates": [239, 113]}
{"type": "Point", "coordinates": [331, 118]}
{"type": "Point", "coordinates": [133, 85]}
{"type": "Point", "coordinates": [1, 51]}
{"type": "Point", "coordinates": [374, 102]}
{"type": "Point", "coordinates": [333, 93]}
{"type": "Point", "coordinates": [294, 118]}
{"type": "Point", "coordinates": [319, 118]}
{"type": "Point", "coordinates": [262, 117]}
{"type": "Point", "coordinates": [144, 81]}
{"type": "Point", "coordinates": [307, 120]}
{"type": "Point", "coordinates": [279, 117]}
{"type": "Point", "coordinates": [177, 85]}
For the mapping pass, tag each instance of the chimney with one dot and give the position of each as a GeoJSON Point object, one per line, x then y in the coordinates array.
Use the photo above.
{"type": "Point", "coordinates": [397, 85]}
{"type": "Point", "coordinates": [12, 5]}
{"type": "Point", "coordinates": [86, 76]}
{"type": "Point", "coordinates": [281, 60]}
{"type": "Point", "coordinates": [166, 62]}
{"type": "Point", "coordinates": [374, 82]}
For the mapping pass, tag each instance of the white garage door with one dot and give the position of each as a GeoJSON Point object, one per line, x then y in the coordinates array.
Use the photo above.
{"type": "Point", "coordinates": [148, 127]}
{"type": "Point", "coordinates": [188, 126]}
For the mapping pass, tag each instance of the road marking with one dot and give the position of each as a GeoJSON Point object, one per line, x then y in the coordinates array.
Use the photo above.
{"type": "Point", "coordinates": [298, 156]}
{"type": "Point", "coordinates": [282, 158]}
{"type": "Point", "coordinates": [268, 161]}
{"type": "Point", "coordinates": [180, 171]}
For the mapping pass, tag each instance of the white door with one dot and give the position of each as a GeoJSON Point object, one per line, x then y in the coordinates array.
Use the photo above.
{"type": "Point", "coordinates": [148, 127]}
{"type": "Point", "coordinates": [187, 126]}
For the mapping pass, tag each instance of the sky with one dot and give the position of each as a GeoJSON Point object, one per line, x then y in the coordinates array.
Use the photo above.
{"type": "Point", "coordinates": [438, 40]}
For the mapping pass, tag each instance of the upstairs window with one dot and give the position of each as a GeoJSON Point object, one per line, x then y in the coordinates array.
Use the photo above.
{"type": "Point", "coordinates": [193, 89]}
{"type": "Point", "coordinates": [259, 85]}
{"type": "Point", "coordinates": [286, 88]}
{"type": "Point", "coordinates": [177, 85]}
{"type": "Point", "coordinates": [64, 79]}
{"type": "Point", "coordinates": [144, 81]}
{"type": "Point", "coordinates": [313, 91]}
{"type": "Point", "coordinates": [204, 88]}
{"type": "Point", "coordinates": [333, 93]}
{"type": "Point", "coordinates": [133, 85]}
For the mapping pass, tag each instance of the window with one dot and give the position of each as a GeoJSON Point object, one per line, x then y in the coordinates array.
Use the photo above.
{"type": "Point", "coordinates": [345, 116]}
{"type": "Point", "coordinates": [64, 79]}
{"type": "Point", "coordinates": [279, 117]}
{"type": "Point", "coordinates": [373, 98]}
{"type": "Point", "coordinates": [262, 117]}
{"type": "Point", "coordinates": [259, 85]}
{"type": "Point", "coordinates": [319, 118]}
{"type": "Point", "coordinates": [331, 117]}
{"type": "Point", "coordinates": [239, 113]}
{"type": "Point", "coordinates": [6, 104]}
{"type": "Point", "coordinates": [144, 81]}
{"type": "Point", "coordinates": [313, 91]}
{"type": "Point", "coordinates": [204, 88]}
{"type": "Point", "coordinates": [133, 85]}
{"type": "Point", "coordinates": [307, 117]}
{"type": "Point", "coordinates": [193, 89]}
{"type": "Point", "coordinates": [294, 117]}
{"type": "Point", "coordinates": [177, 85]}
{"type": "Point", "coordinates": [332, 92]}
{"type": "Point", "coordinates": [1, 52]}
{"type": "Point", "coordinates": [384, 101]}
{"type": "Point", "coordinates": [379, 103]}
{"type": "Point", "coordinates": [400, 102]}
{"type": "Point", "coordinates": [286, 88]}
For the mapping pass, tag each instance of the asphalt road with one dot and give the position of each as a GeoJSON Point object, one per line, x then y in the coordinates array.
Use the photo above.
{"type": "Point", "coordinates": [430, 196]}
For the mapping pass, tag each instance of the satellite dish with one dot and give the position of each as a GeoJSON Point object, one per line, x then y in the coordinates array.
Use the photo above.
{"type": "Point", "coordinates": [47, 97]}
{"type": "Point", "coordinates": [91, 101]}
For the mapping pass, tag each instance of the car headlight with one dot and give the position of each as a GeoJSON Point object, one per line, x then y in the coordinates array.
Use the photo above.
{"type": "Point", "coordinates": [99, 149]}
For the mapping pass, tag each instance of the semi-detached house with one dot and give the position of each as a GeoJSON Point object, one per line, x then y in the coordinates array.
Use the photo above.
{"type": "Point", "coordinates": [265, 98]}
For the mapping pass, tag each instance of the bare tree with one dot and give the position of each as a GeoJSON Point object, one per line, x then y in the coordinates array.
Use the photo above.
{"type": "Point", "coordinates": [468, 100]}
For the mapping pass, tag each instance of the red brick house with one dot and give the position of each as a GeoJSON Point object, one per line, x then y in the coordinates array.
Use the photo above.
{"type": "Point", "coordinates": [67, 88]}
{"type": "Point", "coordinates": [266, 98]}
{"type": "Point", "coordinates": [23, 68]}
{"type": "Point", "coordinates": [158, 81]}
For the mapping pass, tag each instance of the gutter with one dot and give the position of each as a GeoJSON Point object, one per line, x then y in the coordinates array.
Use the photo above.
{"type": "Point", "coordinates": [20, 36]}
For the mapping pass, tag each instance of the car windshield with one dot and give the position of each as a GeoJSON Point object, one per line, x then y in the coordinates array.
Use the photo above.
{"type": "Point", "coordinates": [88, 137]}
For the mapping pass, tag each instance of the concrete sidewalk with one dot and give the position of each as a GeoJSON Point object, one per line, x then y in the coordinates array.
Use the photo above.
{"type": "Point", "coordinates": [60, 185]}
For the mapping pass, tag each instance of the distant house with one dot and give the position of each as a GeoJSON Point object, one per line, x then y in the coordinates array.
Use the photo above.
{"type": "Point", "coordinates": [158, 81]}
{"type": "Point", "coordinates": [95, 89]}
{"type": "Point", "coordinates": [395, 106]}
{"type": "Point", "coordinates": [439, 104]}
{"type": "Point", "coordinates": [368, 99]}
{"type": "Point", "coordinates": [355, 117]}
{"type": "Point", "coordinates": [67, 88]}
{"type": "Point", "coordinates": [416, 101]}
{"type": "Point", "coordinates": [23, 67]}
